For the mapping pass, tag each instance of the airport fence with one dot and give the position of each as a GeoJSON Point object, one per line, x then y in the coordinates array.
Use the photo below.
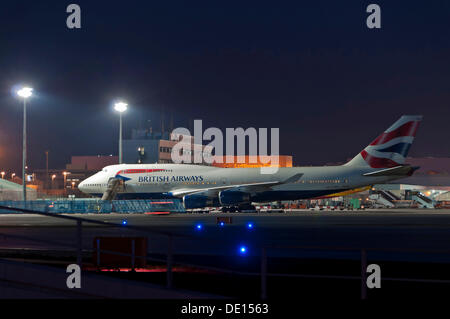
{"type": "Point", "coordinates": [82, 206]}
{"type": "Point", "coordinates": [264, 256]}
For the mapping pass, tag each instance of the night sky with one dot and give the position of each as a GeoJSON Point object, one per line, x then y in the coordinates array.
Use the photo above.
{"type": "Point", "coordinates": [311, 68]}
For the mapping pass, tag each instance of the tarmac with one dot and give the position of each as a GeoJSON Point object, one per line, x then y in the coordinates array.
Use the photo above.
{"type": "Point", "coordinates": [404, 242]}
{"type": "Point", "coordinates": [391, 234]}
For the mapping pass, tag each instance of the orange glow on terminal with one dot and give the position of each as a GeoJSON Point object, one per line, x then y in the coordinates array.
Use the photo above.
{"type": "Point", "coordinates": [252, 161]}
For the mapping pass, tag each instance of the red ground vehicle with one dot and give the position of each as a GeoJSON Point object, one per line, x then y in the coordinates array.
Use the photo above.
{"type": "Point", "coordinates": [445, 204]}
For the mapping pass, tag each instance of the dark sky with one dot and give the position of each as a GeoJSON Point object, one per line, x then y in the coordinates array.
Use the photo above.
{"type": "Point", "coordinates": [311, 68]}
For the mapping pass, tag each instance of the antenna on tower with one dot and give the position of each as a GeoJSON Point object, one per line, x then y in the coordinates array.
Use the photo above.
{"type": "Point", "coordinates": [171, 121]}
{"type": "Point", "coordinates": [162, 122]}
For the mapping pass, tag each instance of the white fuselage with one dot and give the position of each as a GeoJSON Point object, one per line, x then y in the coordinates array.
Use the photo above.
{"type": "Point", "coordinates": [161, 180]}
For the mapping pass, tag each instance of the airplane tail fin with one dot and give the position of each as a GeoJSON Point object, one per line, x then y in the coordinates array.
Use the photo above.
{"type": "Point", "coordinates": [391, 147]}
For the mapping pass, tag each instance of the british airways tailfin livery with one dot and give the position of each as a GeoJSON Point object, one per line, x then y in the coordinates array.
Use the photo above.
{"type": "Point", "coordinates": [199, 186]}
{"type": "Point", "coordinates": [391, 147]}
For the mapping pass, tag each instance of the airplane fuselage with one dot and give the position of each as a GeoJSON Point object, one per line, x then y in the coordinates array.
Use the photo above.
{"type": "Point", "coordinates": [164, 180]}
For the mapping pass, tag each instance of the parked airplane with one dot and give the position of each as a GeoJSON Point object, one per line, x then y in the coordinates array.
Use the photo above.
{"type": "Point", "coordinates": [381, 161]}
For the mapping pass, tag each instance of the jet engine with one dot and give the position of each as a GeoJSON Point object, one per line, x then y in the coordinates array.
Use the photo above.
{"type": "Point", "coordinates": [199, 201]}
{"type": "Point", "coordinates": [231, 198]}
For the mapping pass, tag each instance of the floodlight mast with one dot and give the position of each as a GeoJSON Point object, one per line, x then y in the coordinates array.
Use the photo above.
{"type": "Point", "coordinates": [24, 93]}
{"type": "Point", "coordinates": [120, 107]}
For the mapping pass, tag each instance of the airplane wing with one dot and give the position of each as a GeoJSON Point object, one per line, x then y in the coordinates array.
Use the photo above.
{"type": "Point", "coordinates": [401, 170]}
{"type": "Point", "coordinates": [251, 187]}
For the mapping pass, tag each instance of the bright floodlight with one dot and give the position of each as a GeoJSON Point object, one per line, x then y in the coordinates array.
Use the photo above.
{"type": "Point", "coordinates": [120, 107]}
{"type": "Point", "coordinates": [25, 92]}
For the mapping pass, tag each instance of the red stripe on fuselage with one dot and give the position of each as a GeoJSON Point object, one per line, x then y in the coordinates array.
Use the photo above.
{"type": "Point", "coordinates": [139, 171]}
{"type": "Point", "coordinates": [407, 129]}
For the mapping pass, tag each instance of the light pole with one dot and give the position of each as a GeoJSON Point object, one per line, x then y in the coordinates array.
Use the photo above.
{"type": "Point", "coordinates": [46, 170]}
{"type": "Point", "coordinates": [3, 175]}
{"type": "Point", "coordinates": [24, 93]}
{"type": "Point", "coordinates": [120, 107]}
{"type": "Point", "coordinates": [53, 181]}
{"type": "Point", "coordinates": [65, 180]}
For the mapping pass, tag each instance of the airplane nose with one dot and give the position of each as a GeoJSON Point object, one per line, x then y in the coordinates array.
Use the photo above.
{"type": "Point", "coordinates": [82, 186]}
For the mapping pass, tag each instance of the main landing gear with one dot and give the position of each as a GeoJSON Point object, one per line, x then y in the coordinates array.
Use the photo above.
{"type": "Point", "coordinates": [244, 208]}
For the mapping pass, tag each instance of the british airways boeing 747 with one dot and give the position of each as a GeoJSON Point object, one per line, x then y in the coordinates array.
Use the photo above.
{"type": "Point", "coordinates": [383, 160]}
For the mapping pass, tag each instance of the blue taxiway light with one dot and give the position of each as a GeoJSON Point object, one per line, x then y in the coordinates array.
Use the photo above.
{"type": "Point", "coordinates": [243, 250]}
{"type": "Point", "coordinates": [124, 222]}
{"type": "Point", "coordinates": [221, 224]}
{"type": "Point", "coordinates": [199, 226]}
{"type": "Point", "coordinates": [250, 225]}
